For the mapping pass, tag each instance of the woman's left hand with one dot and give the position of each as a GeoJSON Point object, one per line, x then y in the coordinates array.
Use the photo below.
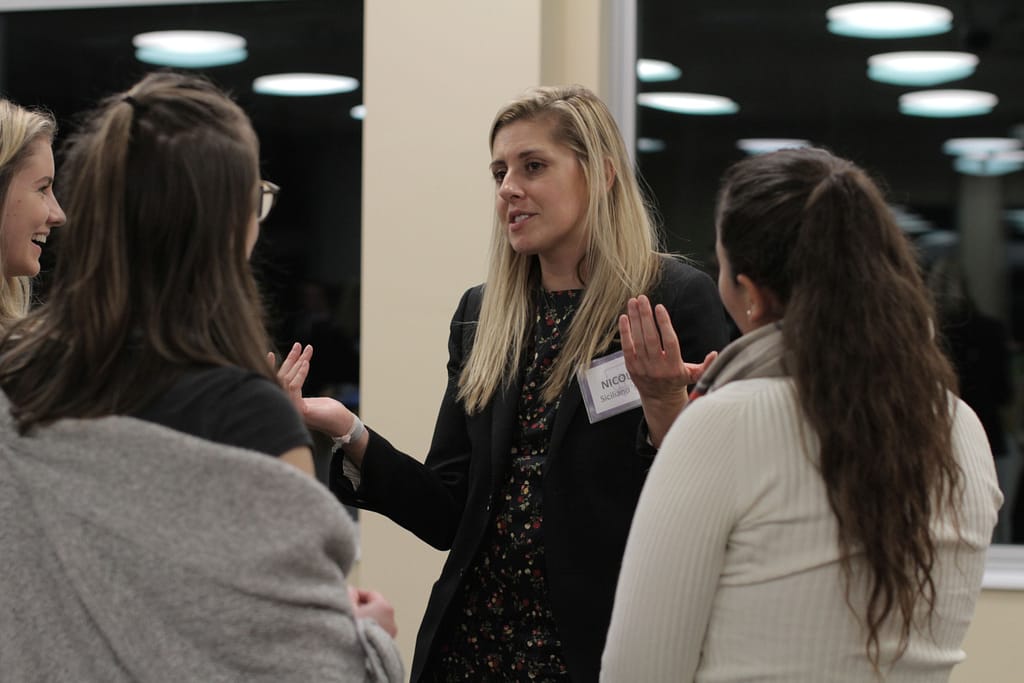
{"type": "Point", "coordinates": [292, 373]}
{"type": "Point", "coordinates": [655, 364]}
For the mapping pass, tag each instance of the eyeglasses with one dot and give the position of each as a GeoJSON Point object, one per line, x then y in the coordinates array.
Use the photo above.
{"type": "Point", "coordinates": [268, 197]}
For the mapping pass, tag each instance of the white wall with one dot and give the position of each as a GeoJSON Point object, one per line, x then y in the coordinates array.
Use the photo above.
{"type": "Point", "coordinates": [434, 73]}
{"type": "Point", "coordinates": [995, 641]}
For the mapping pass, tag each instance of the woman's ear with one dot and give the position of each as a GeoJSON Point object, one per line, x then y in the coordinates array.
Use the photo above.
{"type": "Point", "coordinates": [609, 174]}
{"type": "Point", "coordinates": [763, 306]}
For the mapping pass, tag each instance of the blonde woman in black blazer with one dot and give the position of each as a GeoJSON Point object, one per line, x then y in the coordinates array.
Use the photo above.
{"type": "Point", "coordinates": [540, 448]}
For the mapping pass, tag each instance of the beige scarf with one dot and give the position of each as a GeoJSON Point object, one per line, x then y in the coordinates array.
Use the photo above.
{"type": "Point", "coordinates": [756, 354]}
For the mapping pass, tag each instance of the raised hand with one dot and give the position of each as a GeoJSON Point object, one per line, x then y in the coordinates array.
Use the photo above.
{"type": "Point", "coordinates": [320, 413]}
{"type": "Point", "coordinates": [292, 373]}
{"type": "Point", "coordinates": [655, 364]}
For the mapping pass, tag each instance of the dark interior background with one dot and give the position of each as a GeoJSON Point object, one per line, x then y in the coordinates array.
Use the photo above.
{"type": "Point", "coordinates": [308, 255]}
{"type": "Point", "coordinates": [794, 79]}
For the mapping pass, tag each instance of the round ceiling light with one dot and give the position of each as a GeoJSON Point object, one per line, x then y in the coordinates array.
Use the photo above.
{"type": "Point", "coordinates": [947, 103]}
{"type": "Point", "coordinates": [358, 112]}
{"type": "Point", "coordinates": [1000, 163]}
{"type": "Point", "coordinates": [976, 146]}
{"type": "Point", "coordinates": [888, 20]}
{"type": "Point", "coordinates": [921, 68]}
{"type": "Point", "coordinates": [189, 49]}
{"type": "Point", "coordinates": [303, 84]}
{"type": "Point", "coordinates": [909, 221]}
{"type": "Point", "coordinates": [653, 70]}
{"type": "Point", "coordinates": [650, 145]}
{"type": "Point", "coordinates": [765, 145]}
{"type": "Point", "coordinates": [688, 103]}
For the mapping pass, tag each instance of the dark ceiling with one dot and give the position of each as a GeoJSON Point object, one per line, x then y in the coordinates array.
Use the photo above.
{"type": "Point", "coordinates": [792, 78]}
{"type": "Point", "coordinates": [66, 60]}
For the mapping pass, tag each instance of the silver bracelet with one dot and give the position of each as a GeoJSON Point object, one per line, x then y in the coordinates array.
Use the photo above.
{"type": "Point", "coordinates": [353, 435]}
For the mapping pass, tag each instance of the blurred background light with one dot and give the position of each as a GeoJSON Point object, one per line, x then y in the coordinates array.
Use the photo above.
{"type": "Point", "coordinates": [190, 49]}
{"type": "Point", "coordinates": [688, 103]}
{"type": "Point", "coordinates": [654, 70]}
{"type": "Point", "coordinates": [963, 146]}
{"type": "Point", "coordinates": [921, 68]}
{"type": "Point", "coordinates": [650, 145]}
{"type": "Point", "coordinates": [999, 163]}
{"type": "Point", "coordinates": [303, 84]}
{"type": "Point", "coordinates": [947, 103]}
{"type": "Point", "coordinates": [765, 145]}
{"type": "Point", "coordinates": [888, 20]}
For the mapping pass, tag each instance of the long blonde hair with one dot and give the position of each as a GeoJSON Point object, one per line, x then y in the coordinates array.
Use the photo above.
{"type": "Point", "coordinates": [621, 258]}
{"type": "Point", "coordinates": [19, 128]}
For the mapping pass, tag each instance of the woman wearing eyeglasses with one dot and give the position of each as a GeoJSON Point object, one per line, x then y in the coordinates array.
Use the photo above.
{"type": "Point", "coordinates": [153, 290]}
{"type": "Point", "coordinates": [158, 557]}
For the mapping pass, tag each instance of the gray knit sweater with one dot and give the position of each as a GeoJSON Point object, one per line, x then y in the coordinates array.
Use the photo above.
{"type": "Point", "coordinates": [131, 552]}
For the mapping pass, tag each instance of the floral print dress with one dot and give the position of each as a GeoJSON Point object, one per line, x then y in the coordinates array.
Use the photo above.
{"type": "Point", "coordinates": [503, 628]}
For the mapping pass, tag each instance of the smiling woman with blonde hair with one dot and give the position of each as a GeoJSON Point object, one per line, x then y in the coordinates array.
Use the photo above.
{"type": "Point", "coordinates": [30, 209]}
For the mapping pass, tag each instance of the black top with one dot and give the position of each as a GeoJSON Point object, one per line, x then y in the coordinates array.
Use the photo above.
{"type": "Point", "coordinates": [496, 632]}
{"type": "Point", "coordinates": [231, 406]}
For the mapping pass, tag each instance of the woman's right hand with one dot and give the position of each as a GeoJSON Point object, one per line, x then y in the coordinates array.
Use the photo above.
{"type": "Point", "coordinates": [372, 605]}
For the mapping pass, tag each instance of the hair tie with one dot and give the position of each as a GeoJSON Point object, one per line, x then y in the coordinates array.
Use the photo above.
{"type": "Point", "coordinates": [136, 106]}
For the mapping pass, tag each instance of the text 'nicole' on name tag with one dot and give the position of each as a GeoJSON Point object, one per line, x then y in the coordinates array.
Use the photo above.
{"type": "Point", "coordinates": [607, 388]}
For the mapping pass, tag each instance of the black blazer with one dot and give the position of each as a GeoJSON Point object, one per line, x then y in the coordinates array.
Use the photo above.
{"type": "Point", "coordinates": [592, 479]}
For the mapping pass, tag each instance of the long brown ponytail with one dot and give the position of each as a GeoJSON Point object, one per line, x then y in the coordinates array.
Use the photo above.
{"type": "Point", "coordinates": [861, 346]}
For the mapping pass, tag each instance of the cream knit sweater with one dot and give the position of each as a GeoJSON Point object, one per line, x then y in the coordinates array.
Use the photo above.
{"type": "Point", "coordinates": [731, 571]}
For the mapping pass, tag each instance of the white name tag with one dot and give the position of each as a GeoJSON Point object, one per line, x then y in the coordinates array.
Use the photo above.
{"type": "Point", "coordinates": [607, 387]}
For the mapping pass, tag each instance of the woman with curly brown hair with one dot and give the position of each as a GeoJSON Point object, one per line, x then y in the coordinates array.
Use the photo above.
{"type": "Point", "coordinates": [822, 511]}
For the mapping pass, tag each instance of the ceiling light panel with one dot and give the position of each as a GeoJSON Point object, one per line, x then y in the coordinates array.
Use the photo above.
{"type": "Point", "coordinates": [190, 49]}
{"type": "Point", "coordinates": [650, 145]}
{"type": "Point", "coordinates": [1002, 163]}
{"type": "Point", "coordinates": [962, 146]}
{"type": "Point", "coordinates": [888, 20]}
{"type": "Point", "coordinates": [688, 103]}
{"type": "Point", "coordinates": [947, 103]}
{"type": "Point", "coordinates": [655, 70]}
{"type": "Point", "coordinates": [765, 145]}
{"type": "Point", "coordinates": [920, 68]}
{"type": "Point", "coordinates": [303, 84]}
